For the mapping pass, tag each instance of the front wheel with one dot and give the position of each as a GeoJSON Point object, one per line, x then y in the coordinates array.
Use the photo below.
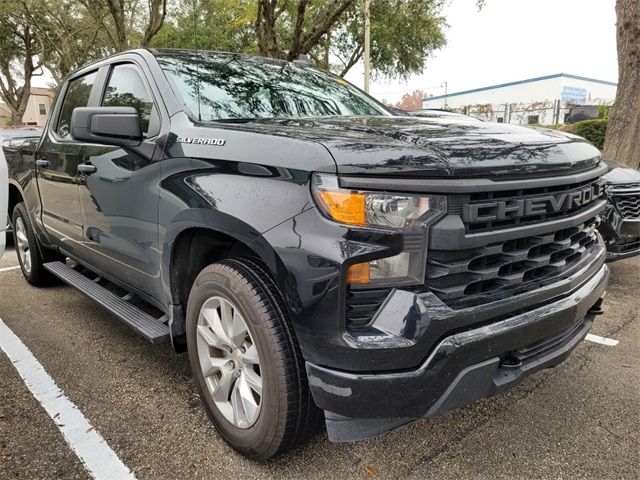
{"type": "Point", "coordinates": [246, 362]}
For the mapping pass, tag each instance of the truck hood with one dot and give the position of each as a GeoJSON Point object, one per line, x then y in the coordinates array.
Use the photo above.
{"type": "Point", "coordinates": [437, 147]}
{"type": "Point", "coordinates": [620, 174]}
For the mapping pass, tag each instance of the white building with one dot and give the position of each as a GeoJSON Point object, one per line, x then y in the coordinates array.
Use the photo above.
{"type": "Point", "coordinates": [540, 100]}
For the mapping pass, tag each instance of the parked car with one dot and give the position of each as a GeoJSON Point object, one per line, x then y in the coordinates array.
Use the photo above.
{"type": "Point", "coordinates": [4, 199]}
{"type": "Point", "coordinates": [312, 252]}
{"type": "Point", "coordinates": [21, 132]}
{"type": "Point", "coordinates": [445, 114]}
{"type": "Point", "coordinates": [620, 225]}
{"type": "Point", "coordinates": [582, 112]}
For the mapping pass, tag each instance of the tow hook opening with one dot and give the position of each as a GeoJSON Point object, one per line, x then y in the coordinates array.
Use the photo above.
{"type": "Point", "coordinates": [510, 363]}
{"type": "Point", "coordinates": [597, 307]}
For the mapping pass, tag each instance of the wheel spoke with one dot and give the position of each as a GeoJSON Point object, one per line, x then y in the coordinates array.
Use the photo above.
{"type": "Point", "coordinates": [249, 405]}
{"type": "Point", "coordinates": [208, 336]}
{"type": "Point", "coordinates": [212, 365]}
{"type": "Point", "coordinates": [239, 415]}
{"type": "Point", "coordinates": [222, 389]}
{"type": "Point", "coordinates": [238, 330]}
{"type": "Point", "coordinates": [227, 317]}
{"type": "Point", "coordinates": [253, 380]}
{"type": "Point", "coordinates": [22, 238]}
{"type": "Point", "coordinates": [250, 356]}
{"type": "Point", "coordinates": [213, 320]}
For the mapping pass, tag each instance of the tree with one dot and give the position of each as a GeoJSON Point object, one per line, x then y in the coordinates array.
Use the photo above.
{"type": "Point", "coordinates": [622, 143]}
{"type": "Point", "coordinates": [223, 25]}
{"type": "Point", "coordinates": [403, 34]}
{"type": "Point", "coordinates": [67, 36]}
{"type": "Point", "coordinates": [411, 101]}
{"type": "Point", "coordinates": [127, 23]}
{"type": "Point", "coordinates": [18, 62]}
{"type": "Point", "coordinates": [287, 29]}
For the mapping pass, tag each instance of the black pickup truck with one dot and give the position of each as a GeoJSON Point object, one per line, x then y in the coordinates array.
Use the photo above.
{"type": "Point", "coordinates": [317, 256]}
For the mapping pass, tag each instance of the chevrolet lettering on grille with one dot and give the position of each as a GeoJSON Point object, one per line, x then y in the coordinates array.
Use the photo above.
{"type": "Point", "coordinates": [496, 210]}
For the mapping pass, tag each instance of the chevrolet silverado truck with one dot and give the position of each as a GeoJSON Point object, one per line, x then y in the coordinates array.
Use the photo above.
{"type": "Point", "coordinates": [318, 257]}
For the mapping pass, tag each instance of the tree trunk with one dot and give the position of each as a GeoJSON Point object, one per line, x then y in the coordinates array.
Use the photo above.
{"type": "Point", "coordinates": [622, 143]}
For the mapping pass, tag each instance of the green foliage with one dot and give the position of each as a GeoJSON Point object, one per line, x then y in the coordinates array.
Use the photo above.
{"type": "Point", "coordinates": [403, 34]}
{"type": "Point", "coordinates": [593, 130]}
{"type": "Point", "coordinates": [222, 25]}
{"type": "Point", "coordinates": [562, 127]}
{"type": "Point", "coordinates": [604, 111]}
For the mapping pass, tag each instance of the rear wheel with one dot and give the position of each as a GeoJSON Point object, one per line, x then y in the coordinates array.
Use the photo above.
{"type": "Point", "coordinates": [246, 362]}
{"type": "Point", "coordinates": [29, 255]}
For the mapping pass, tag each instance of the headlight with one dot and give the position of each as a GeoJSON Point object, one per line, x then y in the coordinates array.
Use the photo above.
{"type": "Point", "coordinates": [406, 212]}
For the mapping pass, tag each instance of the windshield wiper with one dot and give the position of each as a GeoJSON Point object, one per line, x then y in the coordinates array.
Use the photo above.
{"type": "Point", "coordinates": [234, 120]}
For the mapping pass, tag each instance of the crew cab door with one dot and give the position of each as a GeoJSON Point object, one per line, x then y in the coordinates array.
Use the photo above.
{"type": "Point", "coordinates": [57, 160]}
{"type": "Point", "coordinates": [119, 193]}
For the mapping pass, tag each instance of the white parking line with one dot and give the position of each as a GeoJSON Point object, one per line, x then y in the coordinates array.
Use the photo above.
{"type": "Point", "coordinates": [610, 342]}
{"type": "Point", "coordinates": [97, 457]}
{"type": "Point", "coordinates": [7, 269]}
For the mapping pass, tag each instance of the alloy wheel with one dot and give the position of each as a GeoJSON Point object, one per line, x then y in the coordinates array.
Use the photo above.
{"type": "Point", "coordinates": [229, 362]}
{"type": "Point", "coordinates": [23, 245]}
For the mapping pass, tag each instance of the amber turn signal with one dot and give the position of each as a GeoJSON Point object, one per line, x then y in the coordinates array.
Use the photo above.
{"type": "Point", "coordinates": [345, 207]}
{"type": "Point", "coordinates": [359, 274]}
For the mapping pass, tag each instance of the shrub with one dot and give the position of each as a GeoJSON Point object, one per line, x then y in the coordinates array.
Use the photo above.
{"type": "Point", "coordinates": [592, 130]}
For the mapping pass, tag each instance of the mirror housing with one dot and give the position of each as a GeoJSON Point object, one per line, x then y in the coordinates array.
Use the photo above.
{"type": "Point", "coordinates": [118, 126]}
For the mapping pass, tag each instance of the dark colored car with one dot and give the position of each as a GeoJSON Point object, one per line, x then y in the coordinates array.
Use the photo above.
{"type": "Point", "coordinates": [445, 114]}
{"type": "Point", "coordinates": [620, 225]}
{"type": "Point", "coordinates": [6, 133]}
{"type": "Point", "coordinates": [314, 254]}
{"type": "Point", "coordinates": [582, 112]}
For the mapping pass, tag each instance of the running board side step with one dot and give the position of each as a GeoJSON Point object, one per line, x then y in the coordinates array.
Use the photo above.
{"type": "Point", "coordinates": [149, 327]}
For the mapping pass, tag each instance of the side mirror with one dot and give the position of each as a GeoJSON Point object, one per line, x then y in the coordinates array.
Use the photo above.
{"type": "Point", "coordinates": [119, 126]}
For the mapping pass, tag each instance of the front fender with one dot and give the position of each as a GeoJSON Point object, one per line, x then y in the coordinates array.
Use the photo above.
{"type": "Point", "coordinates": [237, 199]}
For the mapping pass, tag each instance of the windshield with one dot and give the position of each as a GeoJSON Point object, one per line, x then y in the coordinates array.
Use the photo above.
{"type": "Point", "coordinates": [235, 87]}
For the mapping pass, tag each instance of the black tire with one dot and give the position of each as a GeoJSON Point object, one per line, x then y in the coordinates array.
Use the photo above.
{"type": "Point", "coordinates": [288, 415]}
{"type": "Point", "coordinates": [37, 275]}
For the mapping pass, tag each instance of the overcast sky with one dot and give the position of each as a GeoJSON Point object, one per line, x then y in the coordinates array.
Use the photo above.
{"type": "Point", "coordinates": [513, 40]}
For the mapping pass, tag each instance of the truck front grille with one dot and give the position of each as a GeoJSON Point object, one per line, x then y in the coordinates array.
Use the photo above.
{"type": "Point", "coordinates": [627, 199]}
{"type": "Point", "coordinates": [502, 266]}
{"type": "Point", "coordinates": [512, 208]}
{"type": "Point", "coordinates": [495, 244]}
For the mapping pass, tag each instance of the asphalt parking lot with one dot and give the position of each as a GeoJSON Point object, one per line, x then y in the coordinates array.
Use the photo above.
{"type": "Point", "coordinates": [580, 420]}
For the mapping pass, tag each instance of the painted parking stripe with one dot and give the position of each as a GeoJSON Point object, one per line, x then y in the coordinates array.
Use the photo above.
{"type": "Point", "coordinates": [7, 269]}
{"type": "Point", "coordinates": [97, 457]}
{"type": "Point", "coordinates": [610, 342]}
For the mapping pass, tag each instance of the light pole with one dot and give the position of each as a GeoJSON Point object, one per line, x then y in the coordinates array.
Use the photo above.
{"type": "Point", "coordinates": [446, 86]}
{"type": "Point", "coordinates": [367, 45]}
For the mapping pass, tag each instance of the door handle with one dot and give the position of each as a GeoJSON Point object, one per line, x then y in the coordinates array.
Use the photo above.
{"type": "Point", "coordinates": [42, 163]}
{"type": "Point", "coordinates": [87, 168]}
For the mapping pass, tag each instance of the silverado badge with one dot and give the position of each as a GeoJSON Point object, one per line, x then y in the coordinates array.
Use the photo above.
{"type": "Point", "coordinates": [216, 142]}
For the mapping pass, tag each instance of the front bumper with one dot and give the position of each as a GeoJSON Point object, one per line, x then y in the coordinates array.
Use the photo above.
{"type": "Point", "coordinates": [462, 368]}
{"type": "Point", "coordinates": [623, 237]}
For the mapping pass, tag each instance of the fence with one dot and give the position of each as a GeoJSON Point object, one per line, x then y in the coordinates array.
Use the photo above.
{"type": "Point", "coordinates": [537, 113]}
